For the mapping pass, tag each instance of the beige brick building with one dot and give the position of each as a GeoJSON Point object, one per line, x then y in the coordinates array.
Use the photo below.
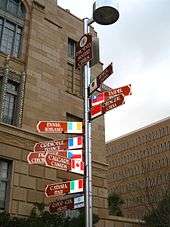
{"type": "Point", "coordinates": [139, 167]}
{"type": "Point", "coordinates": [38, 82]}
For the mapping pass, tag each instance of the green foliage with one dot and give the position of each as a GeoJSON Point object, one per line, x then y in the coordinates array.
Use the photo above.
{"type": "Point", "coordinates": [115, 202]}
{"type": "Point", "coordinates": [39, 217]}
{"type": "Point", "coordinates": [159, 216]}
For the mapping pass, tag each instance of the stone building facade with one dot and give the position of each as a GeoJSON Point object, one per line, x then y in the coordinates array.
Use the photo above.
{"type": "Point", "coordinates": [139, 167]}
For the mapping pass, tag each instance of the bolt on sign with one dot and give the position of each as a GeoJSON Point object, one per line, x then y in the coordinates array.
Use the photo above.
{"type": "Point", "coordinates": [60, 127]}
{"type": "Point", "coordinates": [57, 189]}
{"type": "Point", "coordinates": [60, 145]}
{"type": "Point", "coordinates": [97, 82]}
{"type": "Point", "coordinates": [101, 109]}
{"type": "Point", "coordinates": [83, 50]}
{"type": "Point", "coordinates": [57, 162]}
{"type": "Point", "coordinates": [36, 157]}
{"type": "Point", "coordinates": [106, 95]}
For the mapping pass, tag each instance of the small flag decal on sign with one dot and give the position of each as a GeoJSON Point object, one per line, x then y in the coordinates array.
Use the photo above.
{"type": "Point", "coordinates": [75, 142]}
{"type": "Point", "coordinates": [76, 186]}
{"type": "Point", "coordinates": [74, 127]}
{"type": "Point", "coordinates": [74, 154]}
{"type": "Point", "coordinates": [98, 99]}
{"type": "Point", "coordinates": [77, 166]}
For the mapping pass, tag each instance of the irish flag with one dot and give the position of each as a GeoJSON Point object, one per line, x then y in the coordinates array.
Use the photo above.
{"type": "Point", "coordinates": [74, 127]}
{"type": "Point", "coordinates": [76, 186]}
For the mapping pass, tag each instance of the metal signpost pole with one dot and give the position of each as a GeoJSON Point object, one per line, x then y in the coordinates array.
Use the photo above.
{"type": "Point", "coordinates": [88, 205]}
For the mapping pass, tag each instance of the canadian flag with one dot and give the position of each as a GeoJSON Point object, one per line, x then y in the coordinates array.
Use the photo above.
{"type": "Point", "coordinates": [77, 166]}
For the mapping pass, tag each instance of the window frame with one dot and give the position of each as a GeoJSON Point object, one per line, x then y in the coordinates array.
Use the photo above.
{"type": "Point", "coordinates": [8, 183]}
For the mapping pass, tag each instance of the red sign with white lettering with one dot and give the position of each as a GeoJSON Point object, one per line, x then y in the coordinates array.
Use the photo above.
{"type": "Point", "coordinates": [101, 109]}
{"type": "Point", "coordinates": [106, 95]}
{"type": "Point", "coordinates": [83, 50]}
{"type": "Point", "coordinates": [57, 162]}
{"type": "Point", "coordinates": [57, 189]}
{"type": "Point", "coordinates": [113, 103]}
{"type": "Point", "coordinates": [125, 90]}
{"type": "Point", "coordinates": [36, 157]}
{"type": "Point", "coordinates": [61, 205]}
{"type": "Point", "coordinates": [51, 146]}
{"type": "Point", "coordinates": [52, 126]}
{"type": "Point", "coordinates": [97, 82]}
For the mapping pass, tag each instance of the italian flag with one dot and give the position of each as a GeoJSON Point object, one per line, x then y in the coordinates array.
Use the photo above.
{"type": "Point", "coordinates": [76, 186]}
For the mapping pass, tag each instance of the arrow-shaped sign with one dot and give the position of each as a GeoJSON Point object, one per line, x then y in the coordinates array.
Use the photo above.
{"type": "Point", "coordinates": [96, 83]}
{"type": "Point", "coordinates": [106, 95]}
{"type": "Point", "coordinates": [60, 127]}
{"type": "Point", "coordinates": [60, 145]}
{"type": "Point", "coordinates": [101, 109]}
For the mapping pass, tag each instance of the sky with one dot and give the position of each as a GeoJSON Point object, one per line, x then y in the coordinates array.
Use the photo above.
{"type": "Point", "coordinates": [138, 45]}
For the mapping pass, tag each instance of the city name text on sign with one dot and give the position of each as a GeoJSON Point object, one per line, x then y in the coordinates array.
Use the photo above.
{"type": "Point", "coordinates": [101, 109]}
{"type": "Point", "coordinates": [96, 83]}
{"type": "Point", "coordinates": [60, 127]}
{"type": "Point", "coordinates": [104, 96]}
{"type": "Point", "coordinates": [36, 158]}
{"type": "Point", "coordinates": [83, 51]}
{"type": "Point", "coordinates": [58, 162]}
{"type": "Point", "coordinates": [60, 145]}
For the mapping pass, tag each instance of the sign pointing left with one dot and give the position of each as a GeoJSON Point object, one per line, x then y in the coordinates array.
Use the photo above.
{"type": "Point", "coordinates": [60, 127]}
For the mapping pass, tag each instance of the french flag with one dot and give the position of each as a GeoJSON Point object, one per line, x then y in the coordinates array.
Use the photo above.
{"type": "Point", "coordinates": [74, 154]}
{"type": "Point", "coordinates": [75, 142]}
{"type": "Point", "coordinates": [98, 99]}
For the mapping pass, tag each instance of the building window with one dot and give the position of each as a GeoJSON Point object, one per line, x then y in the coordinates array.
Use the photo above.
{"type": "Point", "coordinates": [12, 87]}
{"type": "Point", "coordinates": [4, 183]}
{"type": "Point", "coordinates": [11, 27]}
{"type": "Point", "coordinates": [10, 103]}
{"type": "Point", "coordinates": [71, 117]}
{"type": "Point", "coordinates": [74, 81]}
{"type": "Point", "coordinates": [71, 48]}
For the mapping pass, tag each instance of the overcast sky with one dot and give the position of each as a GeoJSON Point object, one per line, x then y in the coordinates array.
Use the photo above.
{"type": "Point", "coordinates": [138, 44]}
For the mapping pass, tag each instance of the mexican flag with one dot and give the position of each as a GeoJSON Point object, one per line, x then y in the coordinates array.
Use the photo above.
{"type": "Point", "coordinates": [76, 186]}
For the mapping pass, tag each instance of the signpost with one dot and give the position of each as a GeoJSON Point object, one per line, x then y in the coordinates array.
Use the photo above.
{"type": "Point", "coordinates": [101, 109]}
{"type": "Point", "coordinates": [96, 83]}
{"type": "Point", "coordinates": [83, 50]}
{"type": "Point", "coordinates": [60, 145]}
{"type": "Point", "coordinates": [59, 127]}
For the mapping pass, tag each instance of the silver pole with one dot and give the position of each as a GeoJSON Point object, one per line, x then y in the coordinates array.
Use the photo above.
{"type": "Point", "coordinates": [88, 176]}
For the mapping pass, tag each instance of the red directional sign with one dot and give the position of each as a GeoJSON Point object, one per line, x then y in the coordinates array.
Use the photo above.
{"type": "Point", "coordinates": [36, 157]}
{"type": "Point", "coordinates": [57, 189]}
{"type": "Point", "coordinates": [113, 103]}
{"type": "Point", "coordinates": [66, 204]}
{"type": "Point", "coordinates": [125, 90]}
{"type": "Point", "coordinates": [106, 95]}
{"type": "Point", "coordinates": [83, 50]}
{"type": "Point", "coordinates": [57, 162]}
{"type": "Point", "coordinates": [61, 205]}
{"type": "Point", "coordinates": [101, 109]}
{"type": "Point", "coordinates": [60, 145]}
{"type": "Point", "coordinates": [59, 127]}
{"type": "Point", "coordinates": [97, 82]}
{"type": "Point", "coordinates": [50, 146]}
